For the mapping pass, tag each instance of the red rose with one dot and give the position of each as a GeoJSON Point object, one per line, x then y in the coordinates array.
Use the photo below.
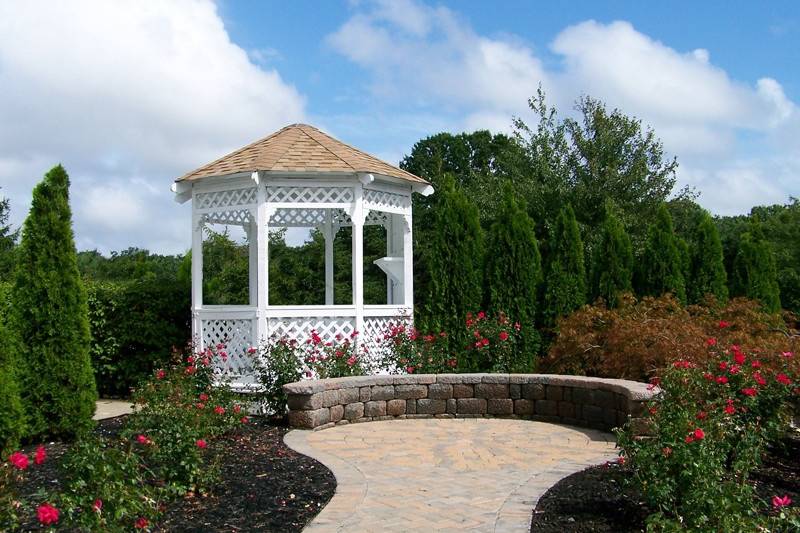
{"type": "Point", "coordinates": [141, 523]}
{"type": "Point", "coordinates": [160, 374]}
{"type": "Point", "coordinates": [203, 397]}
{"type": "Point", "coordinates": [783, 379]}
{"type": "Point", "coordinates": [41, 455]}
{"type": "Point", "coordinates": [739, 358]}
{"type": "Point", "coordinates": [777, 502]}
{"type": "Point", "coordinates": [729, 409]}
{"type": "Point", "coordinates": [723, 324]}
{"type": "Point", "coordinates": [759, 378]}
{"type": "Point", "coordinates": [97, 505]}
{"type": "Point", "coordinates": [503, 336]}
{"type": "Point", "coordinates": [142, 439]}
{"type": "Point", "coordinates": [19, 460]}
{"type": "Point", "coordinates": [749, 391]}
{"type": "Point", "coordinates": [711, 342]}
{"type": "Point", "coordinates": [201, 443]}
{"type": "Point", "coordinates": [722, 380]}
{"type": "Point", "coordinates": [699, 434]}
{"type": "Point", "coordinates": [219, 410]}
{"type": "Point", "coordinates": [47, 514]}
{"type": "Point", "coordinates": [485, 341]}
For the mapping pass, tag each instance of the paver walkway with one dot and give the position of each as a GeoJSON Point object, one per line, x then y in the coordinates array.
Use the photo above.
{"type": "Point", "coordinates": [105, 408]}
{"type": "Point", "coordinates": [445, 474]}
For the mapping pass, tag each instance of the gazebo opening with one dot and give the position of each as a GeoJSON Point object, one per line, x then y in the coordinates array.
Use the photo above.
{"type": "Point", "coordinates": [354, 273]}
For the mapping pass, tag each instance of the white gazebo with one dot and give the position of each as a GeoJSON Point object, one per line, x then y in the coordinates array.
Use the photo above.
{"type": "Point", "coordinates": [300, 177]}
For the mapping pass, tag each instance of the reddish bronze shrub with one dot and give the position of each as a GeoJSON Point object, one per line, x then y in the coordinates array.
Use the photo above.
{"type": "Point", "coordinates": [639, 337]}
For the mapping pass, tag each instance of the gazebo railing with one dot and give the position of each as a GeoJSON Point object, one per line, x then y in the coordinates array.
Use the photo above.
{"type": "Point", "coordinates": [236, 328]}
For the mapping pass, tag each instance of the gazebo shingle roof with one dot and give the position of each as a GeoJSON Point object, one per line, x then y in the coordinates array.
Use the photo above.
{"type": "Point", "coordinates": [299, 148]}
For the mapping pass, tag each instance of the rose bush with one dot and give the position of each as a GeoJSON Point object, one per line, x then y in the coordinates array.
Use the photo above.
{"type": "Point", "coordinates": [404, 349]}
{"type": "Point", "coordinates": [707, 429]}
{"type": "Point", "coordinates": [335, 359]}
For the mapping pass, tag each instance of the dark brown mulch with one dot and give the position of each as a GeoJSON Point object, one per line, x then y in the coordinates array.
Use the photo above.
{"type": "Point", "coordinates": [263, 485]}
{"type": "Point", "coordinates": [598, 499]}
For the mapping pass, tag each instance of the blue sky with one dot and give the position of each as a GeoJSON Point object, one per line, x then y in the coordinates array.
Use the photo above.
{"type": "Point", "coordinates": [130, 96]}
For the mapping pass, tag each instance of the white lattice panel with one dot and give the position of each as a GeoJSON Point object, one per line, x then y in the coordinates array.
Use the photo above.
{"type": "Point", "coordinates": [240, 217]}
{"type": "Point", "coordinates": [236, 337]}
{"type": "Point", "coordinates": [305, 195]}
{"type": "Point", "coordinates": [299, 328]}
{"type": "Point", "coordinates": [386, 200]}
{"type": "Point", "coordinates": [376, 218]}
{"type": "Point", "coordinates": [229, 198]}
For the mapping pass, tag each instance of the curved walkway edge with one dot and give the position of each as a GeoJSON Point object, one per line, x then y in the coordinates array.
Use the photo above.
{"type": "Point", "coordinates": [445, 474]}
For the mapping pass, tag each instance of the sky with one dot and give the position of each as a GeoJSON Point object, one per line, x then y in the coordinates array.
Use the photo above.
{"type": "Point", "coordinates": [130, 95]}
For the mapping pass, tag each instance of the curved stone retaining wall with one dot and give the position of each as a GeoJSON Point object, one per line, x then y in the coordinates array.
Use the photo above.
{"type": "Point", "coordinates": [581, 401]}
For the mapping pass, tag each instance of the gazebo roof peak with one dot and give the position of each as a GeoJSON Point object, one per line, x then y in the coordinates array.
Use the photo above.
{"type": "Point", "coordinates": [299, 148]}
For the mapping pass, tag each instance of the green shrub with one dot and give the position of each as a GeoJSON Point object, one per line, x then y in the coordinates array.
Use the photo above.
{"type": "Point", "coordinates": [106, 487]}
{"type": "Point", "coordinates": [754, 272]}
{"type": "Point", "coordinates": [178, 411]}
{"type": "Point", "coordinates": [50, 313]}
{"type": "Point", "coordinates": [335, 359]}
{"type": "Point", "coordinates": [278, 363]}
{"type": "Point", "coordinates": [708, 274]}
{"type": "Point", "coordinates": [707, 430]}
{"type": "Point", "coordinates": [12, 417]}
{"type": "Point", "coordinates": [404, 349]}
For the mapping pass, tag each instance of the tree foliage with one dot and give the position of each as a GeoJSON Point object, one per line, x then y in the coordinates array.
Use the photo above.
{"type": "Point", "coordinates": [664, 260]}
{"type": "Point", "coordinates": [612, 265]}
{"type": "Point", "coordinates": [8, 240]}
{"type": "Point", "coordinates": [708, 274]}
{"type": "Point", "coordinates": [565, 283]}
{"type": "Point", "coordinates": [453, 263]}
{"type": "Point", "coordinates": [754, 272]}
{"type": "Point", "coordinates": [51, 316]}
{"type": "Point", "coordinates": [12, 417]}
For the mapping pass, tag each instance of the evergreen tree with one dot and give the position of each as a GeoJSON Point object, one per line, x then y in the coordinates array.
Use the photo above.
{"type": "Point", "coordinates": [612, 264]}
{"type": "Point", "coordinates": [51, 316]}
{"type": "Point", "coordinates": [454, 261]}
{"type": "Point", "coordinates": [565, 285]}
{"type": "Point", "coordinates": [754, 272]}
{"type": "Point", "coordinates": [513, 263]}
{"type": "Point", "coordinates": [662, 266]}
{"type": "Point", "coordinates": [8, 240]}
{"type": "Point", "coordinates": [708, 274]}
{"type": "Point", "coordinates": [12, 419]}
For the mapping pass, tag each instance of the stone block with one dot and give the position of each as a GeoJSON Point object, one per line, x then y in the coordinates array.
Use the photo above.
{"type": "Point", "coordinates": [444, 415]}
{"type": "Point", "coordinates": [523, 407]}
{"type": "Point", "coordinates": [408, 392]}
{"type": "Point", "coordinates": [604, 399]}
{"type": "Point", "coordinates": [500, 406]}
{"type": "Point", "coordinates": [471, 406]}
{"type": "Point", "coordinates": [582, 396]}
{"type": "Point", "coordinates": [593, 414]}
{"type": "Point", "coordinates": [555, 393]}
{"type": "Point", "coordinates": [452, 406]}
{"type": "Point", "coordinates": [354, 411]}
{"type": "Point", "coordinates": [382, 392]}
{"type": "Point", "coordinates": [491, 390]}
{"type": "Point", "coordinates": [350, 395]}
{"type": "Point", "coordinates": [337, 412]}
{"type": "Point", "coordinates": [440, 391]}
{"type": "Point", "coordinates": [396, 407]}
{"type": "Point", "coordinates": [610, 417]}
{"type": "Point", "coordinates": [459, 378]}
{"type": "Point", "coordinates": [566, 394]}
{"type": "Point", "coordinates": [375, 408]}
{"type": "Point", "coordinates": [494, 378]}
{"type": "Point", "coordinates": [411, 407]}
{"type": "Point", "coordinates": [415, 379]}
{"type": "Point", "coordinates": [566, 410]}
{"type": "Point", "coordinates": [462, 390]}
{"type": "Point", "coordinates": [309, 419]}
{"type": "Point", "coordinates": [546, 407]}
{"type": "Point", "coordinates": [426, 406]}
{"type": "Point", "coordinates": [515, 391]}
{"type": "Point", "coordinates": [364, 394]}
{"type": "Point", "coordinates": [330, 397]}
{"type": "Point", "coordinates": [305, 402]}
{"type": "Point", "coordinates": [533, 391]}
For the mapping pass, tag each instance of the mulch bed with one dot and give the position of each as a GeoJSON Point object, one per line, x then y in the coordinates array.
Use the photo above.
{"type": "Point", "coordinates": [599, 500]}
{"type": "Point", "coordinates": [263, 485]}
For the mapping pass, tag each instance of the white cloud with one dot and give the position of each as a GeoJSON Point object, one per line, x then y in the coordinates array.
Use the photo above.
{"type": "Point", "coordinates": [702, 114]}
{"type": "Point", "coordinates": [127, 95]}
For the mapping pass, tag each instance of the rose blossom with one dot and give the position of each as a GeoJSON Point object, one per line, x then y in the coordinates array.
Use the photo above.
{"type": "Point", "coordinates": [219, 410]}
{"type": "Point", "coordinates": [19, 460]}
{"type": "Point", "coordinates": [141, 523]}
{"type": "Point", "coordinates": [47, 514]}
{"type": "Point", "coordinates": [201, 443]}
{"type": "Point", "coordinates": [783, 379]}
{"type": "Point", "coordinates": [97, 505]}
{"type": "Point", "coordinates": [777, 502]}
{"type": "Point", "coordinates": [749, 391]}
{"type": "Point", "coordinates": [41, 455]}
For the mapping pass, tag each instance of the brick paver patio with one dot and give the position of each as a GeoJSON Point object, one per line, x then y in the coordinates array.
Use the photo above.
{"type": "Point", "coordinates": [445, 474]}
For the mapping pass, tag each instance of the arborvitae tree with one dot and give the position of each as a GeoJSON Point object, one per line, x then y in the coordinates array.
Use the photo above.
{"type": "Point", "coordinates": [51, 316]}
{"type": "Point", "coordinates": [514, 272]}
{"type": "Point", "coordinates": [513, 263]}
{"type": "Point", "coordinates": [661, 266]}
{"type": "Point", "coordinates": [565, 284]}
{"type": "Point", "coordinates": [8, 240]}
{"type": "Point", "coordinates": [708, 274]}
{"type": "Point", "coordinates": [12, 418]}
{"type": "Point", "coordinates": [612, 263]}
{"type": "Point", "coordinates": [754, 272]}
{"type": "Point", "coordinates": [454, 261]}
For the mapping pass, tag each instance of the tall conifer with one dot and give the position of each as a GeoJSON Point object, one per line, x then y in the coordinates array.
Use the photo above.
{"type": "Point", "coordinates": [612, 260]}
{"type": "Point", "coordinates": [662, 265]}
{"type": "Point", "coordinates": [565, 284]}
{"type": "Point", "coordinates": [708, 274]}
{"type": "Point", "coordinates": [51, 316]}
{"type": "Point", "coordinates": [754, 272]}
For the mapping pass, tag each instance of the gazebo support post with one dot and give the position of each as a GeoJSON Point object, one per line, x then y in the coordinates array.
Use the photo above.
{"type": "Point", "coordinates": [358, 217]}
{"type": "Point", "coordinates": [197, 276]}
{"type": "Point", "coordinates": [408, 262]}
{"type": "Point", "coordinates": [329, 233]}
{"type": "Point", "coordinates": [262, 263]}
